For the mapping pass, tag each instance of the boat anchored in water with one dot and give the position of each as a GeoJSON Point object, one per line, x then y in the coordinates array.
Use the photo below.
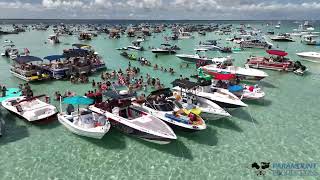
{"type": "Point", "coordinates": [221, 97]}
{"type": "Point", "coordinates": [133, 120]}
{"type": "Point", "coordinates": [164, 49]}
{"type": "Point", "coordinates": [83, 122]}
{"type": "Point", "coordinates": [311, 56]}
{"type": "Point", "coordinates": [276, 62]}
{"type": "Point", "coordinates": [31, 109]}
{"type": "Point", "coordinates": [158, 104]}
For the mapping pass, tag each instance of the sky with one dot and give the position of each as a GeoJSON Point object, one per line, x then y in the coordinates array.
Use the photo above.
{"type": "Point", "coordinates": [161, 9]}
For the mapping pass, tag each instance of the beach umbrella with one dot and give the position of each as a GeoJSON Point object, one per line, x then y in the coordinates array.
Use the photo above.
{"type": "Point", "coordinates": [78, 100]}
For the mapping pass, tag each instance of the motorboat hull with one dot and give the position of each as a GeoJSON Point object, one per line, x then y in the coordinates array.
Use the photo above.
{"type": "Point", "coordinates": [96, 133]}
{"type": "Point", "coordinates": [43, 113]}
{"type": "Point", "coordinates": [261, 63]}
{"type": "Point", "coordinates": [310, 56]}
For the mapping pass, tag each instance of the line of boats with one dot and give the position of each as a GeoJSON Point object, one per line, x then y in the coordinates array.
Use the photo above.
{"type": "Point", "coordinates": [76, 61]}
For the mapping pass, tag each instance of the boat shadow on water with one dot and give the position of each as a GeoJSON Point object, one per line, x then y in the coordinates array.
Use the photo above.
{"type": "Point", "coordinates": [176, 148]}
{"type": "Point", "coordinates": [226, 124]}
{"type": "Point", "coordinates": [12, 131]}
{"type": "Point", "coordinates": [205, 137]}
{"type": "Point", "coordinates": [112, 140]}
{"type": "Point", "coordinates": [267, 84]}
{"type": "Point", "coordinates": [262, 102]}
{"type": "Point", "coordinates": [244, 114]}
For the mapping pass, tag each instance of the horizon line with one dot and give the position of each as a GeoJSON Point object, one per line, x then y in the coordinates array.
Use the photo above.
{"type": "Point", "coordinates": [161, 19]}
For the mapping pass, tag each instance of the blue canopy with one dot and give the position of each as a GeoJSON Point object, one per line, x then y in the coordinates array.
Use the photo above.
{"type": "Point", "coordinates": [26, 59]}
{"type": "Point", "coordinates": [53, 57]}
{"type": "Point", "coordinates": [235, 88]}
{"type": "Point", "coordinates": [77, 100]}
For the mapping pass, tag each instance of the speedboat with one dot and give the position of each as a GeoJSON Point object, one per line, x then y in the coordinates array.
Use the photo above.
{"type": "Point", "coordinates": [245, 73]}
{"type": "Point", "coordinates": [134, 121]}
{"type": "Point", "coordinates": [198, 57]}
{"type": "Point", "coordinates": [207, 107]}
{"type": "Point", "coordinates": [255, 43]}
{"type": "Point", "coordinates": [308, 40]}
{"type": "Point", "coordinates": [159, 106]}
{"type": "Point", "coordinates": [184, 35]}
{"type": "Point", "coordinates": [31, 109]}
{"type": "Point", "coordinates": [10, 52]}
{"type": "Point", "coordinates": [221, 97]}
{"type": "Point", "coordinates": [164, 49]}
{"type": "Point", "coordinates": [282, 37]}
{"type": "Point", "coordinates": [25, 70]}
{"type": "Point", "coordinates": [53, 39]}
{"type": "Point", "coordinates": [209, 45]}
{"type": "Point", "coordinates": [275, 62]}
{"type": "Point", "coordinates": [311, 56]}
{"type": "Point", "coordinates": [85, 123]}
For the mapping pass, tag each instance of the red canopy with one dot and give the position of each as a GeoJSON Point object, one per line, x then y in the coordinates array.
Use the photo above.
{"type": "Point", "coordinates": [277, 52]}
{"type": "Point", "coordinates": [219, 76]}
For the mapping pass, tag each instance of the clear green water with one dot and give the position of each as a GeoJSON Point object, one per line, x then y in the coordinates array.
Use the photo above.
{"type": "Point", "coordinates": [282, 128]}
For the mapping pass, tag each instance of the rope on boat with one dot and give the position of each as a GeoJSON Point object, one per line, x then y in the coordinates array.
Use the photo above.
{"type": "Point", "coordinates": [252, 118]}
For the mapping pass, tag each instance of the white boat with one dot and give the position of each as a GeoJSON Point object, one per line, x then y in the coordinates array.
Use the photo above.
{"type": "Point", "coordinates": [255, 43]}
{"type": "Point", "coordinates": [282, 38]}
{"type": "Point", "coordinates": [278, 25]}
{"type": "Point", "coordinates": [245, 73]}
{"type": "Point", "coordinates": [221, 97]}
{"type": "Point", "coordinates": [166, 110]}
{"type": "Point", "coordinates": [207, 107]}
{"type": "Point", "coordinates": [53, 39]}
{"type": "Point", "coordinates": [198, 57]}
{"type": "Point", "coordinates": [85, 123]}
{"type": "Point", "coordinates": [31, 109]}
{"type": "Point", "coordinates": [185, 35]}
{"type": "Point", "coordinates": [132, 120]}
{"type": "Point", "coordinates": [311, 56]}
{"type": "Point", "coordinates": [244, 92]}
{"type": "Point", "coordinates": [164, 49]}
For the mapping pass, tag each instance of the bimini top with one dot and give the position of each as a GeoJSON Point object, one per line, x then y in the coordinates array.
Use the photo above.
{"type": "Point", "coordinates": [81, 46]}
{"type": "Point", "coordinates": [186, 84]}
{"type": "Point", "coordinates": [277, 52]}
{"type": "Point", "coordinates": [165, 91]}
{"type": "Point", "coordinates": [54, 57]}
{"type": "Point", "coordinates": [76, 53]}
{"type": "Point", "coordinates": [26, 59]}
{"type": "Point", "coordinates": [164, 44]}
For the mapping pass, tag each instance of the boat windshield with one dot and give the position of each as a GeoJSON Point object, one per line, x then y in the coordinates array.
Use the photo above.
{"type": "Point", "coordinates": [166, 106]}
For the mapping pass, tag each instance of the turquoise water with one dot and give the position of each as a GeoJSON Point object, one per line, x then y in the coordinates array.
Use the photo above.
{"type": "Point", "coordinates": [284, 127]}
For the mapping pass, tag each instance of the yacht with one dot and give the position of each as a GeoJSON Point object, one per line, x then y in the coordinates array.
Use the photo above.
{"type": "Point", "coordinates": [255, 43]}
{"type": "Point", "coordinates": [133, 120]}
{"type": "Point", "coordinates": [311, 56]}
{"type": "Point", "coordinates": [23, 69]}
{"type": "Point", "coordinates": [283, 38]}
{"type": "Point", "coordinates": [221, 97]}
{"type": "Point", "coordinates": [200, 56]}
{"type": "Point", "coordinates": [165, 109]}
{"type": "Point", "coordinates": [210, 45]}
{"type": "Point", "coordinates": [85, 123]}
{"type": "Point", "coordinates": [31, 109]}
{"type": "Point", "coordinates": [164, 49]}
{"type": "Point", "coordinates": [245, 73]}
